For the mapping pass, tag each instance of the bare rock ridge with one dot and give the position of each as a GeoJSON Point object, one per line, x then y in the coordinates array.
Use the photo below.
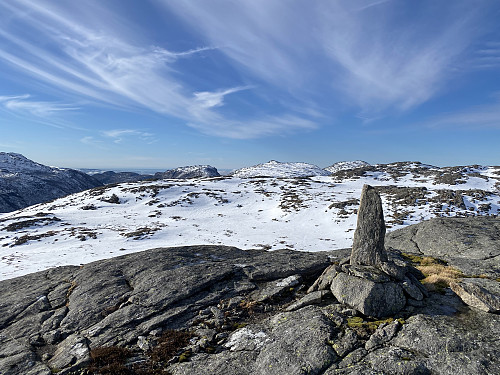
{"type": "Point", "coordinates": [259, 312]}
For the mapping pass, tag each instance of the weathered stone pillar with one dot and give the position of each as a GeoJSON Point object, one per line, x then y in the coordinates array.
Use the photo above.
{"type": "Point", "coordinates": [368, 246]}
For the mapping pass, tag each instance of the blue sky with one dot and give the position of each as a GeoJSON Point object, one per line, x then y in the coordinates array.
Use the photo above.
{"type": "Point", "coordinates": [166, 83]}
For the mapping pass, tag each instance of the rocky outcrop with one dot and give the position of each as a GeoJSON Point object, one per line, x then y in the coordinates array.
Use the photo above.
{"type": "Point", "coordinates": [482, 294]}
{"type": "Point", "coordinates": [346, 165]}
{"type": "Point", "coordinates": [195, 171]}
{"type": "Point", "coordinates": [24, 183]}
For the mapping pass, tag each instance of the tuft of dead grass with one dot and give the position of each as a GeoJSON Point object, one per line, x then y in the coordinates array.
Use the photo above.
{"type": "Point", "coordinates": [109, 361]}
{"type": "Point", "coordinates": [438, 275]}
{"type": "Point", "coordinates": [170, 344]}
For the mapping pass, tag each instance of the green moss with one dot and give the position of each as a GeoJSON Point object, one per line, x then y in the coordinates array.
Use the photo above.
{"type": "Point", "coordinates": [184, 357]}
{"type": "Point", "coordinates": [354, 322]}
{"type": "Point", "coordinates": [358, 322]}
{"type": "Point", "coordinates": [236, 326]}
{"type": "Point", "coordinates": [415, 259]}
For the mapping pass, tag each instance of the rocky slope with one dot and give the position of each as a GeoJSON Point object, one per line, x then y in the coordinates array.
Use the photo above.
{"type": "Point", "coordinates": [24, 183]}
{"type": "Point", "coordinates": [276, 169]}
{"type": "Point", "coordinates": [219, 310]}
{"type": "Point", "coordinates": [193, 171]}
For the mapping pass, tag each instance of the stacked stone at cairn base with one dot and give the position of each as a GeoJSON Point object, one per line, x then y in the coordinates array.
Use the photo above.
{"type": "Point", "coordinates": [370, 282]}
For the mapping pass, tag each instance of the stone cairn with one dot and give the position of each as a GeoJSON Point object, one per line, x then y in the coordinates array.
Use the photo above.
{"type": "Point", "coordinates": [369, 281]}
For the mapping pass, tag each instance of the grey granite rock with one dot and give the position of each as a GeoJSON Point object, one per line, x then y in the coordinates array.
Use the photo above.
{"type": "Point", "coordinates": [382, 335]}
{"type": "Point", "coordinates": [312, 298]}
{"type": "Point", "coordinates": [483, 294]}
{"type": "Point", "coordinates": [113, 302]}
{"type": "Point", "coordinates": [470, 244]}
{"type": "Point", "coordinates": [50, 320]}
{"type": "Point", "coordinates": [368, 244]}
{"type": "Point", "coordinates": [377, 299]}
{"type": "Point", "coordinates": [288, 343]}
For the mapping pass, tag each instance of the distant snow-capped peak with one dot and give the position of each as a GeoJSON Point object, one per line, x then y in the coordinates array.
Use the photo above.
{"type": "Point", "coordinates": [343, 165]}
{"type": "Point", "coordinates": [274, 168]}
{"type": "Point", "coordinates": [11, 162]}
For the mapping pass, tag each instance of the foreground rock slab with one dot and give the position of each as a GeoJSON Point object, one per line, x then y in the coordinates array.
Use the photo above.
{"type": "Point", "coordinates": [62, 313]}
{"type": "Point", "coordinates": [50, 321]}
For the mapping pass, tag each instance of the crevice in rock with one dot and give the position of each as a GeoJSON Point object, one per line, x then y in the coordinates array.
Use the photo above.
{"type": "Point", "coordinates": [412, 239]}
{"type": "Point", "coordinates": [491, 257]}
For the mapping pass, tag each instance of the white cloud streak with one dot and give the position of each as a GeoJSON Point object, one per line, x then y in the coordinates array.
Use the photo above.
{"type": "Point", "coordinates": [479, 117]}
{"type": "Point", "coordinates": [118, 135]}
{"type": "Point", "coordinates": [93, 60]}
{"type": "Point", "coordinates": [366, 49]}
{"type": "Point", "coordinates": [21, 104]}
{"type": "Point", "coordinates": [365, 53]}
{"type": "Point", "coordinates": [216, 99]}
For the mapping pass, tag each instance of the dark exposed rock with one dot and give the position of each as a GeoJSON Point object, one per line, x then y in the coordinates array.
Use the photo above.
{"type": "Point", "coordinates": [24, 183]}
{"type": "Point", "coordinates": [110, 177]}
{"type": "Point", "coordinates": [368, 244]}
{"type": "Point", "coordinates": [113, 302]}
{"type": "Point", "coordinates": [196, 171]}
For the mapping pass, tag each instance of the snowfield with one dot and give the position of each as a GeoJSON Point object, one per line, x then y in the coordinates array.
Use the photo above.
{"type": "Point", "coordinates": [302, 213]}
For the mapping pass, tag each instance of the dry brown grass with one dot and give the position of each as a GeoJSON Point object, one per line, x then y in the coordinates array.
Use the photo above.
{"type": "Point", "coordinates": [438, 276]}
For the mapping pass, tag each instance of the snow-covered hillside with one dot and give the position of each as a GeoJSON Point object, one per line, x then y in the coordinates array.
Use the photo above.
{"type": "Point", "coordinates": [343, 165]}
{"type": "Point", "coordinates": [310, 214]}
{"type": "Point", "coordinates": [276, 169]}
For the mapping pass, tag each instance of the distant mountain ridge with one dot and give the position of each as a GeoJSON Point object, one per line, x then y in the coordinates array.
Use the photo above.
{"type": "Point", "coordinates": [24, 182]}
{"type": "Point", "coordinates": [111, 177]}
{"type": "Point", "coordinates": [275, 168]}
{"type": "Point", "coordinates": [194, 171]}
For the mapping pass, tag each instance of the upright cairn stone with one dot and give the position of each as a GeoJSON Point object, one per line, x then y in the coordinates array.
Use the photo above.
{"type": "Point", "coordinates": [368, 245]}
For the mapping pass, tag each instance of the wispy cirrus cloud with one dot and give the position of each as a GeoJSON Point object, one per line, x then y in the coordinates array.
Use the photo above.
{"type": "Point", "coordinates": [216, 99]}
{"type": "Point", "coordinates": [118, 135]}
{"type": "Point", "coordinates": [373, 54]}
{"type": "Point", "coordinates": [478, 117]}
{"type": "Point", "coordinates": [96, 55]}
{"type": "Point", "coordinates": [24, 104]}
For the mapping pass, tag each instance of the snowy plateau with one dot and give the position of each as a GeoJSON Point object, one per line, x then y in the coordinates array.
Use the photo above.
{"type": "Point", "coordinates": [296, 206]}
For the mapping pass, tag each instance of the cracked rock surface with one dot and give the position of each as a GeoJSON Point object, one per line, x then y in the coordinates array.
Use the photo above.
{"type": "Point", "coordinates": [252, 312]}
